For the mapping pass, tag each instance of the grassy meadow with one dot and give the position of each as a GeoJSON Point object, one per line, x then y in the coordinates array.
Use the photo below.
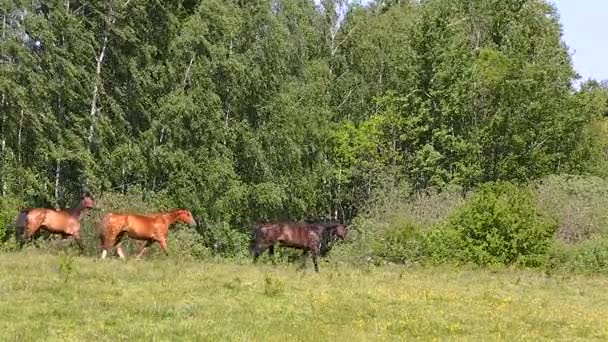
{"type": "Point", "coordinates": [55, 296]}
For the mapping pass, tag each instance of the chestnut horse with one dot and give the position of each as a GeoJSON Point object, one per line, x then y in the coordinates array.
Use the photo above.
{"type": "Point", "coordinates": [150, 228]}
{"type": "Point", "coordinates": [64, 222]}
{"type": "Point", "coordinates": [305, 236]}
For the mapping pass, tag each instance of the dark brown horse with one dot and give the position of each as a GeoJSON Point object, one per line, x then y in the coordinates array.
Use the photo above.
{"type": "Point", "coordinates": [150, 228]}
{"type": "Point", "coordinates": [305, 236]}
{"type": "Point", "coordinates": [63, 222]}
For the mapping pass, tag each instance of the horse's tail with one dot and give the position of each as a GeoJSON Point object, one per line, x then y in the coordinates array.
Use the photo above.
{"type": "Point", "coordinates": [255, 230]}
{"type": "Point", "coordinates": [21, 220]}
{"type": "Point", "coordinates": [21, 223]}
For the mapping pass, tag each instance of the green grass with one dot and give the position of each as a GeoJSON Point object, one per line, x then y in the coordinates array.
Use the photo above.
{"type": "Point", "coordinates": [57, 297]}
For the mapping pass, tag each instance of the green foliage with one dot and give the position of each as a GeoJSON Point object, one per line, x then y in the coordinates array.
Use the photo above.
{"type": "Point", "coordinates": [499, 224]}
{"type": "Point", "coordinates": [590, 256]}
{"type": "Point", "coordinates": [394, 224]}
{"type": "Point", "coordinates": [579, 203]}
{"type": "Point", "coordinates": [9, 208]}
{"type": "Point", "coordinates": [249, 110]}
{"type": "Point", "coordinates": [226, 241]}
{"type": "Point", "coordinates": [400, 244]}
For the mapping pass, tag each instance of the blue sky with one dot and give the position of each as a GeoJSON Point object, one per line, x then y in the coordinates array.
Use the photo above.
{"type": "Point", "coordinates": [585, 22]}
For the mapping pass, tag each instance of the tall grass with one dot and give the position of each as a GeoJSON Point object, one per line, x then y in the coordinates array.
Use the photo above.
{"type": "Point", "coordinates": [67, 298]}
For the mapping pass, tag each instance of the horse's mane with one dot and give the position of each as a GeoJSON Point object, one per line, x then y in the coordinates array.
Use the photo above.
{"type": "Point", "coordinates": [329, 225]}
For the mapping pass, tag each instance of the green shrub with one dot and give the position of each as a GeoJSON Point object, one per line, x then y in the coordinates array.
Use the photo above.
{"type": "Point", "coordinates": [444, 245]}
{"type": "Point", "coordinates": [590, 256]}
{"type": "Point", "coordinates": [579, 203]}
{"type": "Point", "coordinates": [186, 242]}
{"type": "Point", "coordinates": [500, 224]}
{"type": "Point", "coordinates": [9, 208]}
{"type": "Point", "coordinates": [225, 241]}
{"type": "Point", "coordinates": [392, 225]}
{"type": "Point", "coordinates": [400, 244]}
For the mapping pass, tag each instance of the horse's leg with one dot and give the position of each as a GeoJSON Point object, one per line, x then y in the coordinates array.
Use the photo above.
{"type": "Point", "coordinates": [304, 257]}
{"type": "Point", "coordinates": [314, 250]}
{"type": "Point", "coordinates": [29, 232]}
{"type": "Point", "coordinates": [257, 251]}
{"type": "Point", "coordinates": [314, 260]}
{"type": "Point", "coordinates": [144, 248]}
{"type": "Point", "coordinates": [118, 245]}
{"type": "Point", "coordinates": [120, 251]}
{"type": "Point", "coordinates": [76, 237]}
{"type": "Point", "coordinates": [65, 240]}
{"type": "Point", "coordinates": [256, 254]}
{"type": "Point", "coordinates": [163, 245]}
{"type": "Point", "coordinates": [271, 253]}
{"type": "Point", "coordinates": [106, 245]}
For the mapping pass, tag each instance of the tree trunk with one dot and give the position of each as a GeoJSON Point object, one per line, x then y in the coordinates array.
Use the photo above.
{"type": "Point", "coordinates": [3, 147]}
{"type": "Point", "coordinates": [2, 152]}
{"type": "Point", "coordinates": [227, 104]}
{"type": "Point", "coordinates": [19, 152]}
{"type": "Point", "coordinates": [3, 163]}
{"type": "Point", "coordinates": [123, 173]}
{"type": "Point", "coordinates": [187, 73]}
{"type": "Point", "coordinates": [97, 80]}
{"type": "Point", "coordinates": [57, 178]}
{"type": "Point", "coordinates": [99, 58]}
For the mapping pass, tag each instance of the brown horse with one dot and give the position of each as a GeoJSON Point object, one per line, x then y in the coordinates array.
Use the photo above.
{"type": "Point", "coordinates": [150, 228]}
{"type": "Point", "coordinates": [63, 222]}
{"type": "Point", "coordinates": [305, 236]}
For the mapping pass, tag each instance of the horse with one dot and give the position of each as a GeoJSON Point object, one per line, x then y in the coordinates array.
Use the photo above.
{"type": "Point", "coordinates": [305, 236]}
{"type": "Point", "coordinates": [55, 221]}
{"type": "Point", "coordinates": [149, 228]}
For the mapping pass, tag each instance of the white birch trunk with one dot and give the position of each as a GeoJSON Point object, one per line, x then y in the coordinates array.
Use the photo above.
{"type": "Point", "coordinates": [57, 178]}
{"type": "Point", "coordinates": [99, 60]}
{"type": "Point", "coordinates": [187, 73]}
{"type": "Point", "coordinates": [19, 133]}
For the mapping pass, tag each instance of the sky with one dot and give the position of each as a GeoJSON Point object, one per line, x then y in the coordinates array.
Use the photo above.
{"type": "Point", "coordinates": [585, 24]}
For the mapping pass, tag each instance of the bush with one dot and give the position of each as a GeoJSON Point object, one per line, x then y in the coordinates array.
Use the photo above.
{"type": "Point", "coordinates": [225, 241]}
{"type": "Point", "coordinates": [580, 203]}
{"type": "Point", "coordinates": [9, 208]}
{"type": "Point", "coordinates": [400, 244]}
{"type": "Point", "coordinates": [590, 256]}
{"type": "Point", "coordinates": [391, 228]}
{"type": "Point", "coordinates": [500, 224]}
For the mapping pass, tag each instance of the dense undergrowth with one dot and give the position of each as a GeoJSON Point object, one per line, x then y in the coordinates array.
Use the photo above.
{"type": "Point", "coordinates": [557, 223]}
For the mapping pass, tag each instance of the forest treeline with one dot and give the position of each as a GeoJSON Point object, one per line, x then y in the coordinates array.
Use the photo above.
{"type": "Point", "coordinates": [244, 110]}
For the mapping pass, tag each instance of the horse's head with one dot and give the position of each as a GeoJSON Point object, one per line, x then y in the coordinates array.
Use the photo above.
{"type": "Point", "coordinates": [341, 230]}
{"type": "Point", "coordinates": [185, 216]}
{"type": "Point", "coordinates": [87, 201]}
